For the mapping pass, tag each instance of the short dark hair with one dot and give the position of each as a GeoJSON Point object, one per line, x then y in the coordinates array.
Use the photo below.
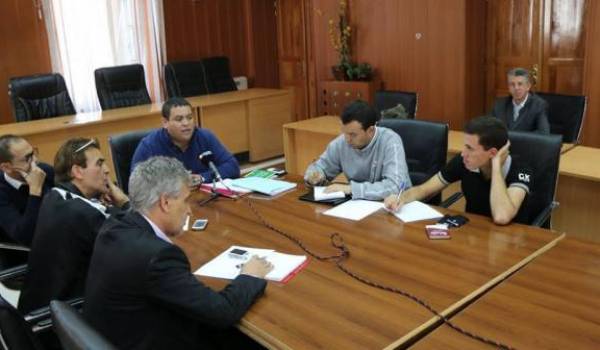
{"type": "Point", "coordinates": [491, 131]}
{"type": "Point", "coordinates": [71, 153]}
{"type": "Point", "coordinates": [361, 112]}
{"type": "Point", "coordinates": [171, 103]}
{"type": "Point", "coordinates": [519, 72]}
{"type": "Point", "coordinates": [6, 141]}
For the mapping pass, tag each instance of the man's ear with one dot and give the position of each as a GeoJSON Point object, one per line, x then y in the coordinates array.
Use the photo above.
{"type": "Point", "coordinates": [371, 130]}
{"type": "Point", "coordinates": [165, 122]}
{"type": "Point", "coordinates": [77, 172]}
{"type": "Point", "coordinates": [5, 166]}
{"type": "Point", "coordinates": [163, 203]}
{"type": "Point", "coordinates": [493, 151]}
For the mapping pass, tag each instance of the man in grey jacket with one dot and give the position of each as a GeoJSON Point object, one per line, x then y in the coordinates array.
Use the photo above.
{"type": "Point", "coordinates": [371, 157]}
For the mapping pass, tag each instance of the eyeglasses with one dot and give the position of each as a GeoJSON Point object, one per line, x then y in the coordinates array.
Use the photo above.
{"type": "Point", "coordinates": [29, 157]}
{"type": "Point", "coordinates": [85, 145]}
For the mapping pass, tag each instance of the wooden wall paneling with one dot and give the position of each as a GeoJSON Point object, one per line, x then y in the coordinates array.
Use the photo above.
{"type": "Point", "coordinates": [591, 83]}
{"type": "Point", "coordinates": [475, 63]}
{"type": "Point", "coordinates": [264, 39]}
{"type": "Point", "coordinates": [23, 46]}
{"type": "Point", "coordinates": [564, 46]}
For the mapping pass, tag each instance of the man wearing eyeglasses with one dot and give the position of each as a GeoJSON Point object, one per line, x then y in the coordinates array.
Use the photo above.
{"type": "Point", "coordinates": [69, 220]}
{"type": "Point", "coordinates": [23, 182]}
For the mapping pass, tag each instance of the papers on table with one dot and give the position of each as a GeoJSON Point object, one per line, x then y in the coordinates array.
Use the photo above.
{"type": "Point", "coordinates": [266, 186]}
{"type": "Point", "coordinates": [285, 266]}
{"type": "Point", "coordinates": [415, 211]}
{"type": "Point", "coordinates": [320, 195]}
{"type": "Point", "coordinates": [222, 189]}
{"type": "Point", "coordinates": [354, 209]}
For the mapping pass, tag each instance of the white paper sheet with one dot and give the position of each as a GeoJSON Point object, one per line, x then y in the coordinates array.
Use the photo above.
{"type": "Point", "coordinates": [320, 194]}
{"type": "Point", "coordinates": [224, 266]}
{"type": "Point", "coordinates": [415, 211]}
{"type": "Point", "coordinates": [354, 209]}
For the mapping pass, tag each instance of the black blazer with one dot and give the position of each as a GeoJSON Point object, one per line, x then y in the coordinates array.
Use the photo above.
{"type": "Point", "coordinates": [19, 211]}
{"type": "Point", "coordinates": [141, 294]}
{"type": "Point", "coordinates": [61, 249]}
{"type": "Point", "coordinates": [532, 117]}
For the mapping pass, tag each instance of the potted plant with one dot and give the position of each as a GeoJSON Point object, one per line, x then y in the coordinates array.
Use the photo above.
{"type": "Point", "coordinates": [339, 35]}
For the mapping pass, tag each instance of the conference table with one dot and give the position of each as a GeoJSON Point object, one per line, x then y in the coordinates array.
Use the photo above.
{"type": "Point", "coordinates": [552, 303]}
{"type": "Point", "coordinates": [243, 121]}
{"type": "Point", "coordinates": [324, 308]}
{"type": "Point", "coordinates": [577, 191]}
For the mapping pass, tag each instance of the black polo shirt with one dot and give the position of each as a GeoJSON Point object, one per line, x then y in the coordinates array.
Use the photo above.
{"type": "Point", "coordinates": [476, 187]}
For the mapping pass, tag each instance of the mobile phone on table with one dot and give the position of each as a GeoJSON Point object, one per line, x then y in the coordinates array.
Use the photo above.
{"type": "Point", "coordinates": [238, 254]}
{"type": "Point", "coordinates": [199, 224]}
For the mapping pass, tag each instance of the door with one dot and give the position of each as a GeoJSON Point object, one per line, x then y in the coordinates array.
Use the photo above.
{"type": "Point", "coordinates": [292, 52]}
{"type": "Point", "coordinates": [23, 46]}
{"type": "Point", "coordinates": [545, 36]}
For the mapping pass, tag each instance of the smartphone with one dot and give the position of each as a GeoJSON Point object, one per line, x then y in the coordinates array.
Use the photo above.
{"type": "Point", "coordinates": [238, 253]}
{"type": "Point", "coordinates": [199, 224]}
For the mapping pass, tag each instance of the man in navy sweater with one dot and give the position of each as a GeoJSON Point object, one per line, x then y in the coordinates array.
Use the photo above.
{"type": "Point", "coordinates": [23, 182]}
{"type": "Point", "coordinates": [179, 138]}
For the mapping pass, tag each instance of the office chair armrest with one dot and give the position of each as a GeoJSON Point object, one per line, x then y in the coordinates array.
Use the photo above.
{"type": "Point", "coordinates": [40, 319]}
{"type": "Point", "coordinates": [13, 272]}
{"type": "Point", "coordinates": [12, 246]}
{"type": "Point", "coordinates": [451, 200]}
{"type": "Point", "coordinates": [545, 214]}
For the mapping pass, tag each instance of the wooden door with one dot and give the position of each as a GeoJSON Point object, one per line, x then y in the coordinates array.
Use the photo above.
{"type": "Point", "coordinates": [545, 36]}
{"type": "Point", "coordinates": [514, 40]}
{"type": "Point", "coordinates": [292, 52]}
{"type": "Point", "coordinates": [23, 46]}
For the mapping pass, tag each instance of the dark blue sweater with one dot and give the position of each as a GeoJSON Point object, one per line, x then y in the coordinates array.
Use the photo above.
{"type": "Point", "coordinates": [159, 143]}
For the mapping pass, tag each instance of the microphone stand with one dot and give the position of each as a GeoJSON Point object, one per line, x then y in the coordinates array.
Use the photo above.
{"type": "Point", "coordinates": [213, 194]}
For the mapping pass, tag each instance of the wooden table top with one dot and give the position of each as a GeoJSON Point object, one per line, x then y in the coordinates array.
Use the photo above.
{"type": "Point", "coordinates": [329, 125]}
{"type": "Point", "coordinates": [456, 143]}
{"type": "Point", "coordinates": [582, 162]}
{"type": "Point", "coordinates": [234, 96]}
{"type": "Point", "coordinates": [552, 303]}
{"type": "Point", "coordinates": [324, 308]}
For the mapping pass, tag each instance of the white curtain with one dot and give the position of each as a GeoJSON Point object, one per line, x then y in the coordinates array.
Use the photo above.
{"type": "Point", "coordinates": [88, 34]}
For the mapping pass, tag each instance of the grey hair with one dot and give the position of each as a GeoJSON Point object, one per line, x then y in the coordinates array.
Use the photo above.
{"type": "Point", "coordinates": [519, 72]}
{"type": "Point", "coordinates": [154, 177]}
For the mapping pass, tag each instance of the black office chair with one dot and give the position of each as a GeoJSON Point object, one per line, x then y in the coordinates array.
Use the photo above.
{"type": "Point", "coordinates": [121, 86]}
{"type": "Point", "coordinates": [425, 146]}
{"type": "Point", "coordinates": [565, 114]}
{"type": "Point", "coordinates": [218, 74]}
{"type": "Point", "coordinates": [72, 330]}
{"type": "Point", "coordinates": [39, 96]}
{"type": "Point", "coordinates": [542, 154]}
{"type": "Point", "coordinates": [18, 332]}
{"type": "Point", "coordinates": [389, 99]}
{"type": "Point", "coordinates": [184, 79]}
{"type": "Point", "coordinates": [13, 264]}
{"type": "Point", "coordinates": [122, 148]}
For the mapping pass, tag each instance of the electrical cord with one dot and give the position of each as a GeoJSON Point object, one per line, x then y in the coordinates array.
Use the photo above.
{"type": "Point", "coordinates": [337, 242]}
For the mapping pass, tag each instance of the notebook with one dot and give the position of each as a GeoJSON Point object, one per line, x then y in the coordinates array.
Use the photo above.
{"type": "Point", "coordinates": [266, 186]}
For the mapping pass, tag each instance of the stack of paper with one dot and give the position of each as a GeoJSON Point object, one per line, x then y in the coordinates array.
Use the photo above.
{"type": "Point", "coordinates": [267, 186]}
{"type": "Point", "coordinates": [285, 266]}
{"type": "Point", "coordinates": [227, 188]}
{"type": "Point", "coordinates": [354, 209]}
{"type": "Point", "coordinates": [415, 211]}
{"type": "Point", "coordinates": [320, 195]}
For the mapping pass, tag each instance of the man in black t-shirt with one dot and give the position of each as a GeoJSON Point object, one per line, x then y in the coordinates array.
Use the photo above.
{"type": "Point", "coordinates": [494, 183]}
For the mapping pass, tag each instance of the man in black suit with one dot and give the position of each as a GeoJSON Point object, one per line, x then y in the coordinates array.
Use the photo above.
{"type": "Point", "coordinates": [140, 293]}
{"type": "Point", "coordinates": [23, 182]}
{"type": "Point", "coordinates": [69, 220]}
{"type": "Point", "coordinates": [522, 110]}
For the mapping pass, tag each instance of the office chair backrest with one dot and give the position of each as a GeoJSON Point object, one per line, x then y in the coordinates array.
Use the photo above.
{"type": "Point", "coordinates": [122, 148]}
{"type": "Point", "coordinates": [565, 114]}
{"type": "Point", "coordinates": [39, 96]}
{"type": "Point", "coordinates": [542, 154]}
{"type": "Point", "coordinates": [425, 146]}
{"type": "Point", "coordinates": [218, 74]}
{"type": "Point", "coordinates": [15, 332]}
{"type": "Point", "coordinates": [121, 86]}
{"type": "Point", "coordinates": [389, 99]}
{"type": "Point", "coordinates": [184, 79]}
{"type": "Point", "coordinates": [72, 330]}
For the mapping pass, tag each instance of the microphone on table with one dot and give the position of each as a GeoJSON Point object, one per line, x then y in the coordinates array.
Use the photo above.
{"type": "Point", "coordinates": [207, 158]}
